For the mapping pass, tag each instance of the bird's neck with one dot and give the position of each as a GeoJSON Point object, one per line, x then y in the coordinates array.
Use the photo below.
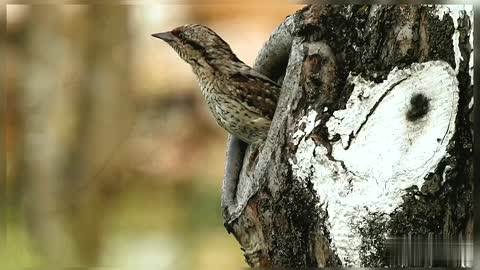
{"type": "Point", "coordinates": [201, 68]}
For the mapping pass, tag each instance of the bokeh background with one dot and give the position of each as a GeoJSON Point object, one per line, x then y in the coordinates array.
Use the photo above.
{"type": "Point", "coordinates": [113, 158]}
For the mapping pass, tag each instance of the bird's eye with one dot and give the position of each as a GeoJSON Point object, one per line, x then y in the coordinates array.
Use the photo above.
{"type": "Point", "coordinates": [196, 46]}
{"type": "Point", "coordinates": [177, 32]}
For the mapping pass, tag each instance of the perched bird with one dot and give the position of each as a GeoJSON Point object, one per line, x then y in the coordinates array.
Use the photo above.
{"type": "Point", "coordinates": [241, 99]}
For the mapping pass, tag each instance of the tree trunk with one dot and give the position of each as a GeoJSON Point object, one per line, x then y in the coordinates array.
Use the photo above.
{"type": "Point", "coordinates": [371, 142]}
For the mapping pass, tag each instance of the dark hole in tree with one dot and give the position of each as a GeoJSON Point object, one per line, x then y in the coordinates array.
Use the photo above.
{"type": "Point", "coordinates": [419, 106]}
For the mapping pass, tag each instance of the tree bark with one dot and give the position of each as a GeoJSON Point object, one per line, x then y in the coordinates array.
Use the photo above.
{"type": "Point", "coordinates": [371, 140]}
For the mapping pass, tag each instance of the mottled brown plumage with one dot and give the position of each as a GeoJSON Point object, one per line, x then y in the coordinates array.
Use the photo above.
{"type": "Point", "coordinates": [241, 99]}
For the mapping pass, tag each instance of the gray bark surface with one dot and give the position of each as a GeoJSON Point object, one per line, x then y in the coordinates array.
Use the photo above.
{"type": "Point", "coordinates": [280, 218]}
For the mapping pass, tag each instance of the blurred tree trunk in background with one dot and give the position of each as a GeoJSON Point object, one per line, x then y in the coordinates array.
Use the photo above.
{"type": "Point", "coordinates": [76, 111]}
{"type": "Point", "coordinates": [365, 144]}
{"type": "Point", "coordinates": [3, 127]}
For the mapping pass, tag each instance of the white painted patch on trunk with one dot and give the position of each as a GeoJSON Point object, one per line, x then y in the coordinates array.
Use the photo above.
{"type": "Point", "coordinates": [386, 153]}
{"type": "Point", "coordinates": [363, 101]}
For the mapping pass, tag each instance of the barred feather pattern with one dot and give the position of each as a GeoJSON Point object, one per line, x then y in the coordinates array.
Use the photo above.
{"type": "Point", "coordinates": [242, 100]}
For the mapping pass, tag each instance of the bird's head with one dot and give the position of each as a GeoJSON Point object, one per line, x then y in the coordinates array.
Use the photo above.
{"type": "Point", "coordinates": [197, 44]}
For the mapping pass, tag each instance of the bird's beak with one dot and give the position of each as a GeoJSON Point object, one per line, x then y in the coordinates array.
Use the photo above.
{"type": "Point", "coordinates": [166, 36]}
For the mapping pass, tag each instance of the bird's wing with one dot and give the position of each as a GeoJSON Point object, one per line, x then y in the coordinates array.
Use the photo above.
{"type": "Point", "coordinates": [255, 92]}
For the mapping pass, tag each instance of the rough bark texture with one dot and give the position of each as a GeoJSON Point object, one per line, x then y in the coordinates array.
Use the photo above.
{"type": "Point", "coordinates": [323, 54]}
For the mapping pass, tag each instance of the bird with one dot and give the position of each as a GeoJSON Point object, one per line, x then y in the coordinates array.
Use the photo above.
{"type": "Point", "coordinates": [242, 100]}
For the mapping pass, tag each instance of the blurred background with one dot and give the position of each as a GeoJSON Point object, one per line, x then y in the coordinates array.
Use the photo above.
{"type": "Point", "coordinates": [113, 158]}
